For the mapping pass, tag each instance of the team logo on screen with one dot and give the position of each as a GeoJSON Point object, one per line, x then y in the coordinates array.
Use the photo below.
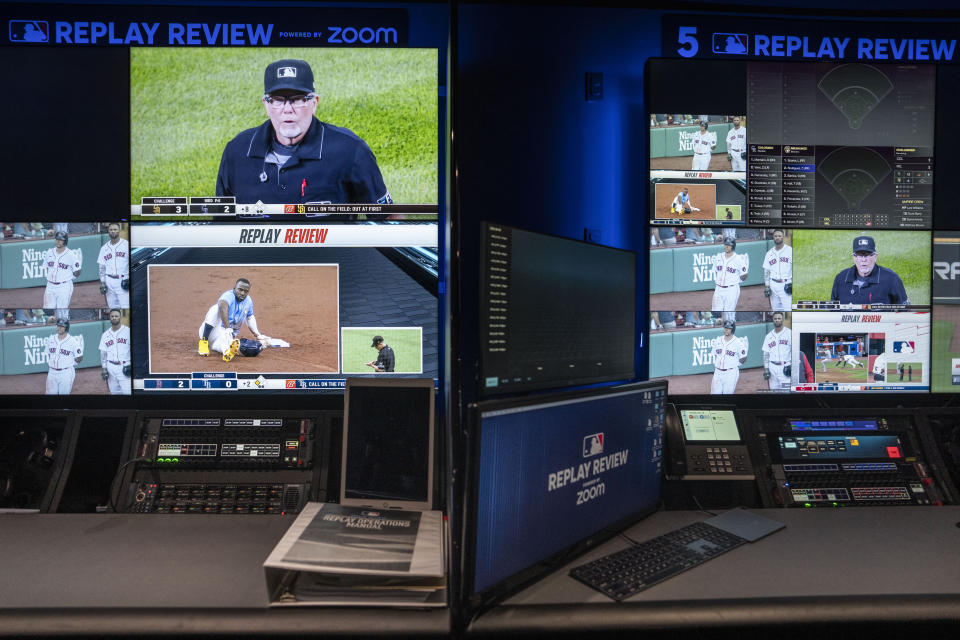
{"type": "Point", "coordinates": [593, 445]}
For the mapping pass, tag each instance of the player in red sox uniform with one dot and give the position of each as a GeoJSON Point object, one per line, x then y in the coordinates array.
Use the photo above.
{"type": "Point", "coordinates": [777, 272]}
{"type": "Point", "coordinates": [64, 351]}
{"type": "Point", "coordinates": [777, 350]}
{"type": "Point", "coordinates": [115, 354]}
{"type": "Point", "coordinates": [729, 353]}
{"type": "Point", "coordinates": [114, 264]}
{"type": "Point", "coordinates": [737, 145]}
{"type": "Point", "coordinates": [704, 143]}
{"type": "Point", "coordinates": [729, 270]}
{"type": "Point", "coordinates": [63, 265]}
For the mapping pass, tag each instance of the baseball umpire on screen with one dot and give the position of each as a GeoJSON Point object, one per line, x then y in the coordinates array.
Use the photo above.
{"type": "Point", "coordinates": [385, 361]}
{"type": "Point", "coordinates": [866, 282]}
{"type": "Point", "coordinates": [295, 158]}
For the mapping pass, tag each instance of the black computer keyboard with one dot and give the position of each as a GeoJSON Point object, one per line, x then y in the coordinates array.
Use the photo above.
{"type": "Point", "coordinates": [624, 573]}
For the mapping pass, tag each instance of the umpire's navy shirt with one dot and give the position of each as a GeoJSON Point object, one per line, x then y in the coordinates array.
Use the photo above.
{"type": "Point", "coordinates": [331, 165]}
{"type": "Point", "coordinates": [881, 286]}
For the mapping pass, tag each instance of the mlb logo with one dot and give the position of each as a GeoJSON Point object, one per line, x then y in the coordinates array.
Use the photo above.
{"type": "Point", "coordinates": [903, 346]}
{"type": "Point", "coordinates": [731, 43]}
{"type": "Point", "coordinates": [290, 384]}
{"type": "Point", "coordinates": [593, 445]}
{"type": "Point", "coordinates": [28, 31]}
{"type": "Point", "coordinates": [287, 72]}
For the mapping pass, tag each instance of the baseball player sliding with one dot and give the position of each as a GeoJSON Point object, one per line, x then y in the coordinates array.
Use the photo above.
{"type": "Point", "coordinates": [737, 146]}
{"type": "Point", "coordinates": [729, 353]}
{"type": "Point", "coordinates": [849, 359]}
{"type": "Point", "coordinates": [777, 350]}
{"type": "Point", "coordinates": [729, 270]}
{"type": "Point", "coordinates": [224, 321]}
{"type": "Point", "coordinates": [704, 142]}
{"type": "Point", "coordinates": [64, 352]}
{"type": "Point", "coordinates": [115, 355]}
{"type": "Point", "coordinates": [778, 273]}
{"type": "Point", "coordinates": [682, 204]}
{"type": "Point", "coordinates": [63, 265]}
{"type": "Point", "coordinates": [114, 265]}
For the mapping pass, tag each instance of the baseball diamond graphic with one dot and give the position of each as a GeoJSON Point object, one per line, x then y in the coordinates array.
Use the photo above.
{"type": "Point", "coordinates": [854, 172]}
{"type": "Point", "coordinates": [856, 90]}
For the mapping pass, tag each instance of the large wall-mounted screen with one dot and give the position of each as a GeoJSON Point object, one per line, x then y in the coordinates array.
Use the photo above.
{"type": "Point", "coordinates": [790, 228]}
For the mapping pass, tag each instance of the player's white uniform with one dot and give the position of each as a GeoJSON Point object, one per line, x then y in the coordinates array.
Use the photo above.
{"type": "Point", "coordinates": [778, 271]}
{"type": "Point", "coordinates": [736, 145]}
{"type": "Point", "coordinates": [849, 359]}
{"type": "Point", "coordinates": [726, 363]}
{"type": "Point", "coordinates": [726, 278]}
{"type": "Point", "coordinates": [60, 268]}
{"type": "Point", "coordinates": [880, 367]}
{"type": "Point", "coordinates": [221, 337]}
{"type": "Point", "coordinates": [682, 199]}
{"type": "Point", "coordinates": [778, 349]}
{"type": "Point", "coordinates": [114, 264]}
{"type": "Point", "coordinates": [703, 144]}
{"type": "Point", "coordinates": [115, 354]}
{"type": "Point", "coordinates": [61, 357]}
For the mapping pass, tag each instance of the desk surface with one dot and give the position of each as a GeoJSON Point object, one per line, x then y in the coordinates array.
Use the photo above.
{"type": "Point", "coordinates": [131, 574]}
{"type": "Point", "coordinates": [842, 565]}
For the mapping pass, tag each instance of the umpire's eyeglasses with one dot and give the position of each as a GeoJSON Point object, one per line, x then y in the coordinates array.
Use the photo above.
{"type": "Point", "coordinates": [297, 102]}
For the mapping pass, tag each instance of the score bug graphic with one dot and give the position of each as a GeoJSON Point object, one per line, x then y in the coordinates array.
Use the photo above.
{"type": "Point", "coordinates": [593, 445]}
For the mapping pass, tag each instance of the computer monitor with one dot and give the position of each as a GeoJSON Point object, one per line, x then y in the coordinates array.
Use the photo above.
{"type": "Point", "coordinates": [554, 474]}
{"type": "Point", "coordinates": [388, 443]}
{"type": "Point", "coordinates": [554, 312]}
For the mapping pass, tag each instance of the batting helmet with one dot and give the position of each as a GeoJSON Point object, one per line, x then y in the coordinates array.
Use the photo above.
{"type": "Point", "coordinates": [63, 322]}
{"type": "Point", "coordinates": [62, 235]}
{"type": "Point", "coordinates": [250, 348]}
{"type": "Point", "coordinates": [730, 324]}
{"type": "Point", "coordinates": [730, 241]}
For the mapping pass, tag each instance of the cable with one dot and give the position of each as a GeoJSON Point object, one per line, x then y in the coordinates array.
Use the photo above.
{"type": "Point", "coordinates": [700, 507]}
{"type": "Point", "coordinates": [112, 497]}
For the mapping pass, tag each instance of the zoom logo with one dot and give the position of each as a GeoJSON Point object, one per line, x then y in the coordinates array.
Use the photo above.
{"type": "Point", "coordinates": [28, 31]}
{"type": "Point", "coordinates": [364, 35]}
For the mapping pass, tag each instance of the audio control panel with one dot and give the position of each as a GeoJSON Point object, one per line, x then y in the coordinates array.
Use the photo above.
{"type": "Point", "coordinates": [259, 464]}
{"type": "Point", "coordinates": [835, 461]}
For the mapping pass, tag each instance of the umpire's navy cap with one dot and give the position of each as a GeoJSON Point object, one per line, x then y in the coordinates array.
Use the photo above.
{"type": "Point", "coordinates": [295, 75]}
{"type": "Point", "coordinates": [376, 340]}
{"type": "Point", "coordinates": [864, 243]}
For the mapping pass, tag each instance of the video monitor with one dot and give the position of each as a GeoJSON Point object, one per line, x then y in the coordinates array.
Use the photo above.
{"type": "Point", "coordinates": [945, 365]}
{"type": "Point", "coordinates": [861, 269]}
{"type": "Point", "coordinates": [698, 169]}
{"type": "Point", "coordinates": [826, 144]}
{"type": "Point", "coordinates": [877, 351]}
{"type": "Point", "coordinates": [346, 134]}
{"type": "Point", "coordinates": [64, 297]}
{"type": "Point", "coordinates": [553, 475]}
{"type": "Point", "coordinates": [285, 308]}
{"type": "Point", "coordinates": [554, 312]}
{"type": "Point", "coordinates": [841, 144]}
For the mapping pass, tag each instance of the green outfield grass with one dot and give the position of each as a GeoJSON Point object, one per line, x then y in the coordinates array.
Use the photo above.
{"type": "Point", "coordinates": [941, 369]}
{"type": "Point", "coordinates": [357, 352]}
{"type": "Point", "coordinates": [819, 255]}
{"type": "Point", "coordinates": [186, 104]}
{"type": "Point", "coordinates": [838, 374]}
